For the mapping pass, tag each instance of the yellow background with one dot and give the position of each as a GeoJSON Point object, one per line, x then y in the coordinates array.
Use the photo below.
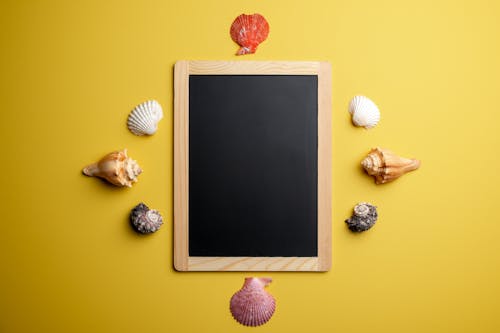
{"type": "Point", "coordinates": [70, 71]}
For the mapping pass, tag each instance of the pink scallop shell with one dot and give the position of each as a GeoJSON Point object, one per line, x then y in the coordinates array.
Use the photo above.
{"type": "Point", "coordinates": [252, 305]}
{"type": "Point", "coordinates": [249, 31]}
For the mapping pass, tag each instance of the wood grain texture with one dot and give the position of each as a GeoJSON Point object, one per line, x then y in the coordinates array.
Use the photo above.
{"type": "Point", "coordinates": [253, 263]}
{"type": "Point", "coordinates": [254, 67]}
{"type": "Point", "coordinates": [181, 165]}
{"type": "Point", "coordinates": [324, 167]}
{"type": "Point", "coordinates": [182, 260]}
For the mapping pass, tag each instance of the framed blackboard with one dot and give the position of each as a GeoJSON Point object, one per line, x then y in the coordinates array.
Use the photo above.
{"type": "Point", "coordinates": [252, 166]}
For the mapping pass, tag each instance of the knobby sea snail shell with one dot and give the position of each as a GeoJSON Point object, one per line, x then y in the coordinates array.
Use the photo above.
{"type": "Point", "coordinates": [364, 217]}
{"type": "Point", "coordinates": [145, 220]}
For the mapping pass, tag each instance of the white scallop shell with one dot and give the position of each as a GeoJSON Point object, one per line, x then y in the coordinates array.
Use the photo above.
{"type": "Point", "coordinates": [364, 112]}
{"type": "Point", "coordinates": [144, 118]}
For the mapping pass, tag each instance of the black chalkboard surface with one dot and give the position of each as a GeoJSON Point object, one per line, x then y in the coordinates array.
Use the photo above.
{"type": "Point", "coordinates": [251, 166]}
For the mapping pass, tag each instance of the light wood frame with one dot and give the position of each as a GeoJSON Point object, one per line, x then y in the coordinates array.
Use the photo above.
{"type": "Point", "coordinates": [182, 260]}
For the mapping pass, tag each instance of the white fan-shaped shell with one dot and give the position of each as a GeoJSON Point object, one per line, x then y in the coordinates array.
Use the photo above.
{"type": "Point", "coordinates": [144, 118]}
{"type": "Point", "coordinates": [364, 112]}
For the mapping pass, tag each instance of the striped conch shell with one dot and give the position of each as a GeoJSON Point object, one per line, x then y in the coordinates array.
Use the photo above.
{"type": "Point", "coordinates": [252, 305]}
{"type": "Point", "coordinates": [116, 167]}
{"type": "Point", "coordinates": [386, 166]}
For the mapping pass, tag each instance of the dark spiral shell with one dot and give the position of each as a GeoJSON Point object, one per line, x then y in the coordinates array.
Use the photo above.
{"type": "Point", "coordinates": [145, 220]}
{"type": "Point", "coordinates": [364, 217]}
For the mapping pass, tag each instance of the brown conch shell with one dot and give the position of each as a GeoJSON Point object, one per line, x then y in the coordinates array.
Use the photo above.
{"type": "Point", "coordinates": [385, 166]}
{"type": "Point", "coordinates": [252, 305]}
{"type": "Point", "coordinates": [116, 167]}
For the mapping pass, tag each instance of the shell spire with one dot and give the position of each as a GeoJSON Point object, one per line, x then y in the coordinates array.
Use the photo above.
{"type": "Point", "coordinates": [116, 167]}
{"type": "Point", "coordinates": [248, 31]}
{"type": "Point", "coordinates": [386, 166]}
{"type": "Point", "coordinates": [252, 305]}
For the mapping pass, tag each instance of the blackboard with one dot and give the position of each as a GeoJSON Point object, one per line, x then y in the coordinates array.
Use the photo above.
{"type": "Point", "coordinates": [247, 164]}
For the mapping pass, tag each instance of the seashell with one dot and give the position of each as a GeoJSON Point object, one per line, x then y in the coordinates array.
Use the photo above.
{"type": "Point", "coordinates": [364, 112]}
{"type": "Point", "coordinates": [145, 220]}
{"type": "Point", "coordinates": [249, 31]}
{"type": "Point", "coordinates": [144, 118]}
{"type": "Point", "coordinates": [252, 305]}
{"type": "Point", "coordinates": [385, 166]}
{"type": "Point", "coordinates": [116, 167]}
{"type": "Point", "coordinates": [364, 217]}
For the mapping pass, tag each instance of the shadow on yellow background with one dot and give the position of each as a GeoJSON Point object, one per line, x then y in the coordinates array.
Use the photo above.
{"type": "Point", "coordinates": [72, 70]}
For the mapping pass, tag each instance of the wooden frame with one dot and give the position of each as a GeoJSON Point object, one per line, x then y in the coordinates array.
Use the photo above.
{"type": "Point", "coordinates": [182, 260]}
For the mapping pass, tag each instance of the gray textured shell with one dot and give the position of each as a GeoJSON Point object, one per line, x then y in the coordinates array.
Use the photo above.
{"type": "Point", "coordinates": [145, 220]}
{"type": "Point", "coordinates": [364, 217]}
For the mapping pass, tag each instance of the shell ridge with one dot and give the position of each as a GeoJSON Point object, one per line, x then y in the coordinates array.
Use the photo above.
{"type": "Point", "coordinates": [143, 123]}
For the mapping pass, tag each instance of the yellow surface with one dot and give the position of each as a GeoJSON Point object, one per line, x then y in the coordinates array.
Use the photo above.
{"type": "Point", "coordinates": [70, 71]}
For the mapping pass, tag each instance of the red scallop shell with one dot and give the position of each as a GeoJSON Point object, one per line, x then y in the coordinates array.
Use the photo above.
{"type": "Point", "coordinates": [249, 31]}
{"type": "Point", "coordinates": [252, 305]}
